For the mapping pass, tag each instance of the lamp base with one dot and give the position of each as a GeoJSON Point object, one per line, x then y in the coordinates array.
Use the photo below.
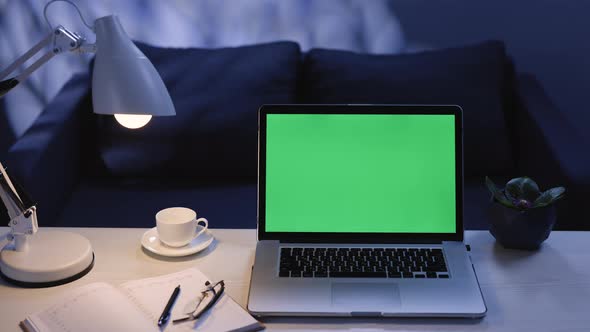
{"type": "Point", "coordinates": [52, 258]}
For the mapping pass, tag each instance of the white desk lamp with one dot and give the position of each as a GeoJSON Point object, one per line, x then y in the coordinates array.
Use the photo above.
{"type": "Point", "coordinates": [124, 84]}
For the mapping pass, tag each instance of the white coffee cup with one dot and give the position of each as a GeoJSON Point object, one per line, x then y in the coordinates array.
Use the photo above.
{"type": "Point", "coordinates": [177, 226]}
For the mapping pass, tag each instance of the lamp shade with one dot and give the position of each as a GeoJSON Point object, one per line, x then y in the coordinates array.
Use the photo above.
{"type": "Point", "coordinates": [124, 81]}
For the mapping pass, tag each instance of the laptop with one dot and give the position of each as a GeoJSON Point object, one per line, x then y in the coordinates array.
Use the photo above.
{"type": "Point", "coordinates": [360, 213]}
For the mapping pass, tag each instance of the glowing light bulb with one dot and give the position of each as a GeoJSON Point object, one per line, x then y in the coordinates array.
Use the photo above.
{"type": "Point", "coordinates": [133, 121]}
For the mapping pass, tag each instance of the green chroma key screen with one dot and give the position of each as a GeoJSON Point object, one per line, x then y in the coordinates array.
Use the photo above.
{"type": "Point", "coordinates": [361, 173]}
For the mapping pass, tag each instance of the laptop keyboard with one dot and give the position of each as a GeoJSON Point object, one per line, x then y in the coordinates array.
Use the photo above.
{"type": "Point", "coordinates": [362, 263]}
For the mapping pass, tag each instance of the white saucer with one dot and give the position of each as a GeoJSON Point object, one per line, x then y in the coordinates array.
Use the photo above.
{"type": "Point", "coordinates": [151, 242]}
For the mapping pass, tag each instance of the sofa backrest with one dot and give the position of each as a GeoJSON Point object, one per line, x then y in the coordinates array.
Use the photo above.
{"type": "Point", "coordinates": [473, 77]}
{"type": "Point", "coordinates": [217, 92]}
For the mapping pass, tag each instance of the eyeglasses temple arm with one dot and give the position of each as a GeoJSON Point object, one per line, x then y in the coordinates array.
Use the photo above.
{"type": "Point", "coordinates": [210, 304]}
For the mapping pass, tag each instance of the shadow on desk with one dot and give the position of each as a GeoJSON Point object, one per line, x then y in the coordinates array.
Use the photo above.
{"type": "Point", "coordinates": [374, 324]}
{"type": "Point", "coordinates": [533, 265]}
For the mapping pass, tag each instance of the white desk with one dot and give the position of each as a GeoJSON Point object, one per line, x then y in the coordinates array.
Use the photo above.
{"type": "Point", "coordinates": [547, 290]}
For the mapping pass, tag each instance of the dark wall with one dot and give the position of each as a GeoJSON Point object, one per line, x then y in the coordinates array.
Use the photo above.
{"type": "Point", "coordinates": [549, 38]}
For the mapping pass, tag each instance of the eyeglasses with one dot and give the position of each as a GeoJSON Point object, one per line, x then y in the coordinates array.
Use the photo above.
{"type": "Point", "coordinates": [206, 300]}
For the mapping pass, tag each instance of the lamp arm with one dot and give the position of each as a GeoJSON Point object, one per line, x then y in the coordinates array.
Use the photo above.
{"type": "Point", "coordinates": [9, 196]}
{"type": "Point", "coordinates": [30, 53]}
{"type": "Point", "coordinates": [32, 68]}
{"type": "Point", "coordinates": [23, 219]}
{"type": "Point", "coordinates": [61, 40]}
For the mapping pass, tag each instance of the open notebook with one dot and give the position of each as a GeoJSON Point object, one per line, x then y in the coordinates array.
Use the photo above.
{"type": "Point", "coordinates": [137, 305]}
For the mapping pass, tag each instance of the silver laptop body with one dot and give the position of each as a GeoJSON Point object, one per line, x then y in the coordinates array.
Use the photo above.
{"type": "Point", "coordinates": [361, 266]}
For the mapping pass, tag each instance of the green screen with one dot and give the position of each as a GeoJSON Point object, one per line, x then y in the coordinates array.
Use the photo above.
{"type": "Point", "coordinates": [360, 173]}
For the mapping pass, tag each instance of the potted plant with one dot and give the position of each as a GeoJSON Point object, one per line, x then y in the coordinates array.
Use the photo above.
{"type": "Point", "coordinates": [522, 215]}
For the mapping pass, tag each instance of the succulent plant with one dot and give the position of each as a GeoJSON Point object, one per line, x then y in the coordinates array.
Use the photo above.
{"type": "Point", "coordinates": [523, 194]}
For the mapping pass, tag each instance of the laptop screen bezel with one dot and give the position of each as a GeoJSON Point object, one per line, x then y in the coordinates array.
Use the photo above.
{"type": "Point", "coordinates": [346, 237]}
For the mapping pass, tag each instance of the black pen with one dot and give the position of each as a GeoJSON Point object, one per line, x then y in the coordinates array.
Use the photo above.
{"type": "Point", "coordinates": [166, 313]}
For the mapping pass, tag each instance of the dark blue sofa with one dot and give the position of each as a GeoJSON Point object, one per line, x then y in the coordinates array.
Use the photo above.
{"type": "Point", "coordinates": [85, 170]}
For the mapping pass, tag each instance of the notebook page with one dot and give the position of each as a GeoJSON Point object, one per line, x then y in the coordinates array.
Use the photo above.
{"type": "Point", "coordinates": [94, 307]}
{"type": "Point", "coordinates": [152, 294]}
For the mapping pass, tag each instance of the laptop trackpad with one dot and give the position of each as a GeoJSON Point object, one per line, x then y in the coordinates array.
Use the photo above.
{"type": "Point", "coordinates": [366, 295]}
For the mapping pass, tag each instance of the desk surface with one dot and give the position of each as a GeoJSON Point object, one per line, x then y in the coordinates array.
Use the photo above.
{"type": "Point", "coordinates": [546, 290]}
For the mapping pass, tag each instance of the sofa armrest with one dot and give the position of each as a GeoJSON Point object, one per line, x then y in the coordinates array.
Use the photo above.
{"type": "Point", "coordinates": [551, 151]}
{"type": "Point", "coordinates": [46, 159]}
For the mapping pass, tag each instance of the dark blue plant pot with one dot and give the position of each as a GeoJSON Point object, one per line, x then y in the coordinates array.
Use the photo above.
{"type": "Point", "coordinates": [521, 230]}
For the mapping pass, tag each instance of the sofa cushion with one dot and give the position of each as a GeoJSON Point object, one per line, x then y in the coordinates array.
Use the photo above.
{"type": "Point", "coordinates": [216, 93]}
{"type": "Point", "coordinates": [112, 203]}
{"type": "Point", "coordinates": [472, 77]}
